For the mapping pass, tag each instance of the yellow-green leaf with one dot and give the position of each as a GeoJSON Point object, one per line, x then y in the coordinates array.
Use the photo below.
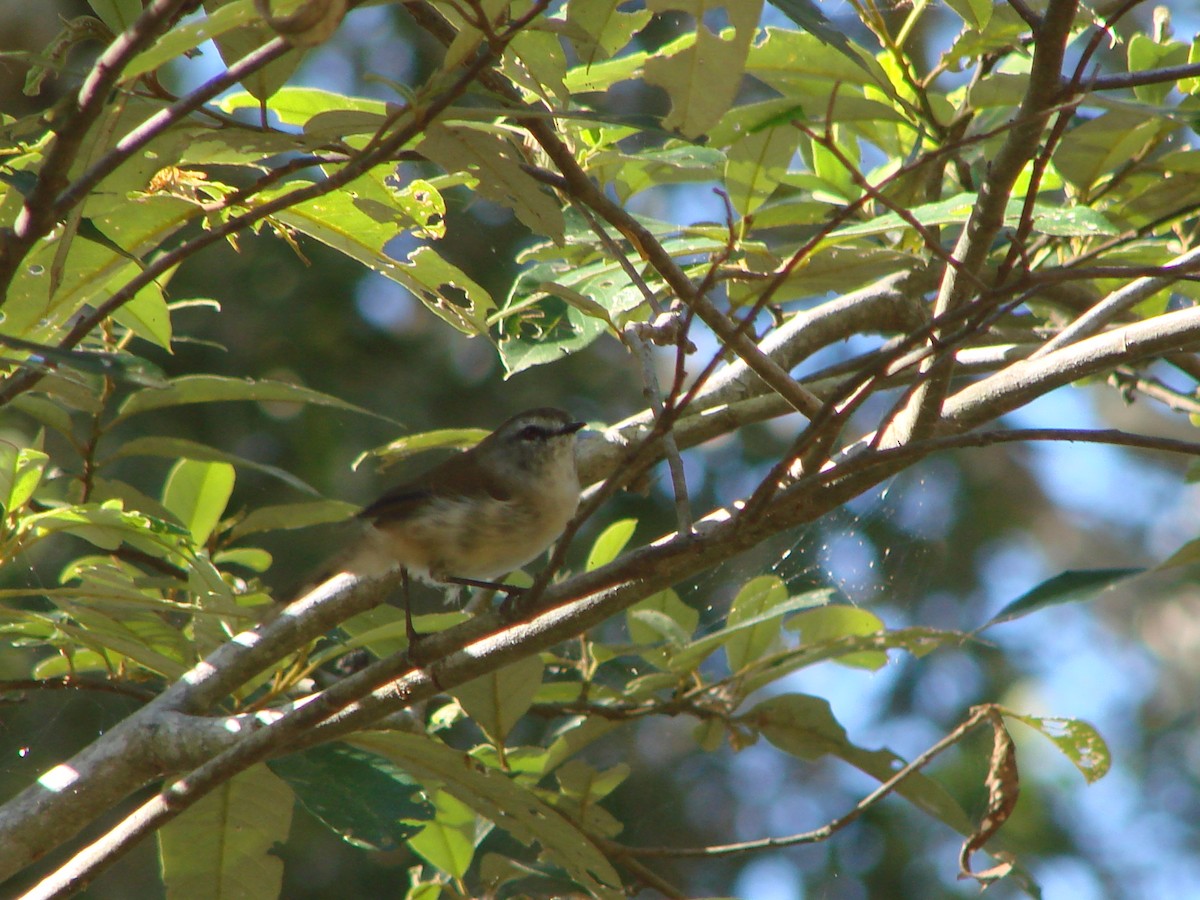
{"type": "Point", "coordinates": [196, 492]}
{"type": "Point", "coordinates": [225, 844]}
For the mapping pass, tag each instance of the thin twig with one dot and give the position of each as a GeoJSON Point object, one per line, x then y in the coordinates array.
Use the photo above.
{"type": "Point", "coordinates": [825, 831]}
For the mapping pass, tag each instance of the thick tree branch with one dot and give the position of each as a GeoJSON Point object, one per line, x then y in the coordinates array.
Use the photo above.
{"type": "Point", "coordinates": [974, 245]}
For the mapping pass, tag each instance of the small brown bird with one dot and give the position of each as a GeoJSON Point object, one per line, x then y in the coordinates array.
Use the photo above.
{"type": "Point", "coordinates": [479, 515]}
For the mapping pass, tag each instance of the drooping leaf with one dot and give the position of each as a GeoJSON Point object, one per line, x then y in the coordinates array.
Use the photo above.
{"type": "Point", "coordinates": [805, 727]}
{"type": "Point", "coordinates": [829, 623]}
{"type": "Point", "coordinates": [1066, 587]}
{"type": "Point", "coordinates": [491, 159]}
{"type": "Point", "coordinates": [756, 164]}
{"type": "Point", "coordinates": [287, 516]}
{"type": "Point", "coordinates": [661, 617]}
{"type": "Point", "coordinates": [1078, 741]}
{"type": "Point", "coordinates": [703, 79]}
{"type": "Point", "coordinates": [21, 470]}
{"type": "Point", "coordinates": [599, 30]}
{"type": "Point", "coordinates": [218, 388]}
{"type": "Point", "coordinates": [172, 447]}
{"type": "Point", "coordinates": [756, 598]}
{"type": "Point", "coordinates": [692, 654]}
{"type": "Point", "coordinates": [808, 16]}
{"type": "Point", "coordinates": [361, 796]}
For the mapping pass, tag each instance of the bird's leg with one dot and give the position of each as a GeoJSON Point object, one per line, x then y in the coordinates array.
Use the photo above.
{"type": "Point", "coordinates": [409, 629]}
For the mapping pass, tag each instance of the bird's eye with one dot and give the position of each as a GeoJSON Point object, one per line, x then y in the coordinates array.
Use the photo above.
{"type": "Point", "coordinates": [531, 433]}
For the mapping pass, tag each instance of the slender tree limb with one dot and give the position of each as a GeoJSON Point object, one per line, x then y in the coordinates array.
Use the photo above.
{"type": "Point", "coordinates": [39, 213]}
{"type": "Point", "coordinates": [1122, 299]}
{"type": "Point", "coordinates": [826, 831]}
{"type": "Point", "coordinates": [152, 127]}
{"type": "Point", "coordinates": [1126, 80]}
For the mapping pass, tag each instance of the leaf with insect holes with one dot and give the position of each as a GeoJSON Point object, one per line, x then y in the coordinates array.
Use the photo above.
{"type": "Point", "coordinates": [492, 158]}
{"type": "Point", "coordinates": [1079, 741]}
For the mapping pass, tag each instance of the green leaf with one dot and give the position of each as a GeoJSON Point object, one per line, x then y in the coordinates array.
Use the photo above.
{"type": "Point", "coordinates": [602, 76]}
{"type": "Point", "coordinates": [660, 618]}
{"type": "Point", "coordinates": [583, 782]}
{"type": "Point", "coordinates": [805, 727]}
{"type": "Point", "coordinates": [917, 641]}
{"type": "Point", "coordinates": [808, 16]}
{"type": "Point", "coordinates": [299, 106]}
{"type": "Point", "coordinates": [186, 37]}
{"type": "Point", "coordinates": [45, 412]}
{"type": "Point", "coordinates": [173, 448]}
{"type": "Point", "coordinates": [225, 844]}
{"type": "Point", "coordinates": [571, 333]}
{"type": "Point", "coordinates": [610, 543]}
{"type": "Point", "coordinates": [107, 525]}
{"type": "Point", "coordinates": [497, 701]}
{"type": "Point", "coordinates": [493, 160]}
{"type": "Point", "coordinates": [383, 631]}
{"type": "Point", "coordinates": [703, 79]}
{"type": "Point", "coordinates": [1067, 587]}
{"type": "Point", "coordinates": [756, 599]}
{"type": "Point", "coordinates": [599, 30]}
{"type": "Point", "coordinates": [146, 315]}
{"type": "Point", "coordinates": [414, 444]}
{"type": "Point", "coordinates": [659, 627]}
{"type": "Point", "coordinates": [1079, 741]}
{"type": "Point", "coordinates": [448, 842]}
{"type": "Point", "coordinates": [505, 802]}
{"type": "Point", "coordinates": [756, 164]}
{"type": "Point", "coordinates": [976, 13]}
{"type": "Point", "coordinates": [830, 623]}
{"type": "Point", "coordinates": [363, 797]}
{"type": "Point", "coordinates": [217, 389]}
{"type": "Point", "coordinates": [197, 492]}
{"type": "Point", "coordinates": [253, 558]}
{"type": "Point", "coordinates": [1189, 553]}
{"type": "Point", "coordinates": [1096, 148]}
{"type": "Point", "coordinates": [788, 59]}
{"type": "Point", "coordinates": [121, 366]}
{"type": "Point", "coordinates": [447, 291]}
{"type": "Point", "coordinates": [117, 15]}
{"type": "Point", "coordinates": [287, 516]}
{"type": "Point", "coordinates": [145, 641]}
{"type": "Point", "coordinates": [631, 173]}
{"type": "Point", "coordinates": [1077, 221]}
{"type": "Point", "coordinates": [687, 658]}
{"type": "Point", "coordinates": [238, 42]}
{"type": "Point", "coordinates": [21, 470]}
{"type": "Point", "coordinates": [1147, 53]}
